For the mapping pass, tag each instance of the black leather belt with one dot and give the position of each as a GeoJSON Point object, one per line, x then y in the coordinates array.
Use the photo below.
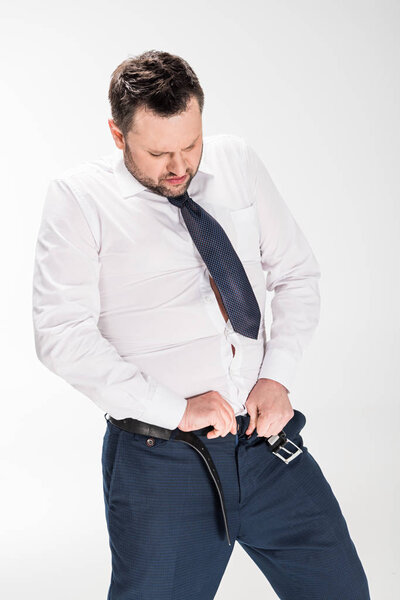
{"type": "Point", "coordinates": [135, 426]}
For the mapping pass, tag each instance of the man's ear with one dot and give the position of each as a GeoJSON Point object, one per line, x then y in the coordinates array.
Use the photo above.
{"type": "Point", "coordinates": [117, 134]}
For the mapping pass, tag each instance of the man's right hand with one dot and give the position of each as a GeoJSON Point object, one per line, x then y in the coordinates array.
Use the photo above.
{"type": "Point", "coordinates": [209, 409]}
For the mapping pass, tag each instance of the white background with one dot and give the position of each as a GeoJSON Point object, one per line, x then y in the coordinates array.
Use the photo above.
{"type": "Point", "coordinates": [314, 86]}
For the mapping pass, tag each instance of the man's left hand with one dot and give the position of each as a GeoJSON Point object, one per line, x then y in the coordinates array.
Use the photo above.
{"type": "Point", "coordinates": [269, 408]}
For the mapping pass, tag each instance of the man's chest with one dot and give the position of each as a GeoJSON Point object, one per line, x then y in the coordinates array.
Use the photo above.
{"type": "Point", "coordinates": [153, 238]}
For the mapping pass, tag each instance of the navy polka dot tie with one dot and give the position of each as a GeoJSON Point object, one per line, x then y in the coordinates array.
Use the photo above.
{"type": "Point", "coordinates": [223, 264]}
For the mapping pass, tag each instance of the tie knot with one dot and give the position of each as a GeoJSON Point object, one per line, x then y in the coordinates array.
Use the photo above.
{"type": "Point", "coordinates": [179, 201]}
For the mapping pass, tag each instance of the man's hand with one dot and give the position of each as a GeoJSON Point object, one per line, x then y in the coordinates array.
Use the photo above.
{"type": "Point", "coordinates": [206, 409]}
{"type": "Point", "coordinates": [269, 408]}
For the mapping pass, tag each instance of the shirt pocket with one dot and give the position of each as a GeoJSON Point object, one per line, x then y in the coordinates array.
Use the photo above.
{"type": "Point", "coordinates": [246, 232]}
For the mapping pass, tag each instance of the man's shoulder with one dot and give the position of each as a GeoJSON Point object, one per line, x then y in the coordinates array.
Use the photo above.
{"type": "Point", "coordinates": [230, 142]}
{"type": "Point", "coordinates": [86, 172]}
{"type": "Point", "coordinates": [226, 152]}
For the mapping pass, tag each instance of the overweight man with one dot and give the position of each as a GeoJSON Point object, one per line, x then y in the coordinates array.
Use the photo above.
{"type": "Point", "coordinates": [151, 269]}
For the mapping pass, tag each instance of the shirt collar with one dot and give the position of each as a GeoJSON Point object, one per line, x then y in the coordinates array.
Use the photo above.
{"type": "Point", "coordinates": [130, 186]}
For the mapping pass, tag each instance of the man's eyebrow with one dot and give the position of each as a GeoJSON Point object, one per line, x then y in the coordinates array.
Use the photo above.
{"type": "Point", "coordinates": [161, 152]}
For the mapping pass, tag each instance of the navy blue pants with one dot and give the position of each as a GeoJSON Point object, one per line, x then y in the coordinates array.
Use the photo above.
{"type": "Point", "coordinates": [166, 529]}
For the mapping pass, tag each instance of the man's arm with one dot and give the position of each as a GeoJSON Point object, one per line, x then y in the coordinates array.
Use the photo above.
{"type": "Point", "coordinates": [292, 274]}
{"type": "Point", "coordinates": [66, 308]}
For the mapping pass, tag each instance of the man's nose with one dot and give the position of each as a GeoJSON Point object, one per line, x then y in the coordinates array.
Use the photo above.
{"type": "Point", "coordinates": [177, 167]}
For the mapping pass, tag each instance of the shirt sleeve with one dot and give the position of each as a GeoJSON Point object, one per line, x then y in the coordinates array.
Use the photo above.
{"type": "Point", "coordinates": [66, 309]}
{"type": "Point", "coordinates": [292, 274]}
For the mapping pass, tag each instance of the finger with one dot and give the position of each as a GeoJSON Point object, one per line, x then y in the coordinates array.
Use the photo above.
{"type": "Point", "coordinates": [214, 433]}
{"type": "Point", "coordinates": [218, 431]}
{"type": "Point", "coordinates": [230, 423]}
{"type": "Point", "coordinates": [276, 428]}
{"type": "Point", "coordinates": [272, 428]}
{"type": "Point", "coordinates": [224, 425]}
{"type": "Point", "coordinates": [252, 422]}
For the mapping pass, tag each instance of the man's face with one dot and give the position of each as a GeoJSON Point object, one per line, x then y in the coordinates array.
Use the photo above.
{"type": "Point", "coordinates": [158, 149]}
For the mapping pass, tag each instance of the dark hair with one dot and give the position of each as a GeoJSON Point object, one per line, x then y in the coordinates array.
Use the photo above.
{"type": "Point", "coordinates": [160, 81]}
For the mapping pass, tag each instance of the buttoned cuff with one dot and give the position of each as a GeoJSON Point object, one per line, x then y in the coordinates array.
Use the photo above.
{"type": "Point", "coordinates": [164, 408]}
{"type": "Point", "coordinates": [279, 366]}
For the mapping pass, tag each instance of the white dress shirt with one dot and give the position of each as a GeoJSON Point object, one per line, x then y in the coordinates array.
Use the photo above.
{"type": "Point", "coordinates": [123, 309]}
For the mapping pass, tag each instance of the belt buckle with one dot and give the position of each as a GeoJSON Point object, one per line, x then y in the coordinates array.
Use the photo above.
{"type": "Point", "coordinates": [278, 443]}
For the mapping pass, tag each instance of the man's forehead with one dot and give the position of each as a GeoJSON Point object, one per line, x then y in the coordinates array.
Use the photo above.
{"type": "Point", "coordinates": [153, 131]}
{"type": "Point", "coordinates": [158, 148]}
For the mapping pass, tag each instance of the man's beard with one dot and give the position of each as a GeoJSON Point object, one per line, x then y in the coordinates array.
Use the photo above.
{"type": "Point", "coordinates": [160, 189]}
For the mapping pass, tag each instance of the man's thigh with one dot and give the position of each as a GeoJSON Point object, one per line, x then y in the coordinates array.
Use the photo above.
{"type": "Point", "coordinates": [164, 521]}
{"type": "Point", "coordinates": [292, 525]}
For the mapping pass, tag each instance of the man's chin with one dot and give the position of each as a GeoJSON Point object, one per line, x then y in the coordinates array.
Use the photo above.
{"type": "Point", "coordinates": [176, 190]}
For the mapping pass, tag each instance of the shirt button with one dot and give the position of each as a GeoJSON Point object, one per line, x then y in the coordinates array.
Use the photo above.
{"type": "Point", "coordinates": [209, 298]}
{"type": "Point", "coordinates": [150, 441]}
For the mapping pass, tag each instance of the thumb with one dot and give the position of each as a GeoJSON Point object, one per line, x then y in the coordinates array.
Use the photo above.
{"type": "Point", "coordinates": [214, 433]}
{"type": "Point", "coordinates": [252, 422]}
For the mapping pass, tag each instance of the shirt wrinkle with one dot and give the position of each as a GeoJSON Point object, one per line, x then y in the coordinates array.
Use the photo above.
{"type": "Point", "coordinates": [144, 324]}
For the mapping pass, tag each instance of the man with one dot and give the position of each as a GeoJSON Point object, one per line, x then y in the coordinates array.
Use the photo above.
{"type": "Point", "coordinates": [149, 295]}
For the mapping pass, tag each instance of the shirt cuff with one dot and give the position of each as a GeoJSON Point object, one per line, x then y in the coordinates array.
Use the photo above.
{"type": "Point", "coordinates": [164, 408]}
{"type": "Point", "coordinates": [279, 366]}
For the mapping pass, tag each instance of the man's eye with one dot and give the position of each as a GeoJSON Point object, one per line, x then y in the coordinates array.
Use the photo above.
{"type": "Point", "coordinates": [151, 153]}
